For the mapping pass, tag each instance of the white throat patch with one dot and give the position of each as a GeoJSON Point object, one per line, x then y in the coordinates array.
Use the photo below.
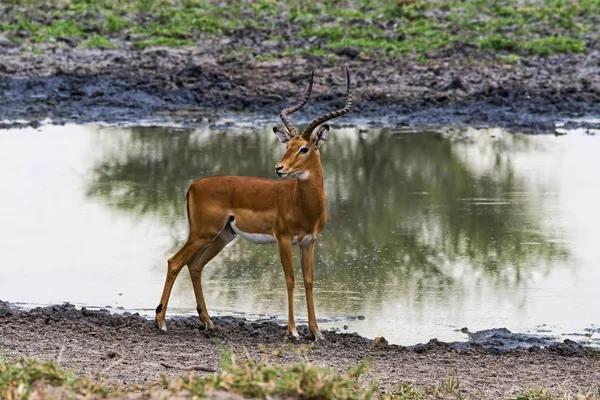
{"type": "Point", "coordinates": [303, 175]}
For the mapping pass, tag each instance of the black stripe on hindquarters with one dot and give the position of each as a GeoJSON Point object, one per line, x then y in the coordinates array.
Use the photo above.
{"type": "Point", "coordinates": [187, 207]}
{"type": "Point", "coordinates": [231, 219]}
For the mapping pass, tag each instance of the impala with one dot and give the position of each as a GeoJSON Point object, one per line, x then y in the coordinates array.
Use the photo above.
{"type": "Point", "coordinates": [286, 212]}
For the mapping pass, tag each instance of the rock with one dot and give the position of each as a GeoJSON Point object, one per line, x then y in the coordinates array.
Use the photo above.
{"type": "Point", "coordinates": [348, 52]}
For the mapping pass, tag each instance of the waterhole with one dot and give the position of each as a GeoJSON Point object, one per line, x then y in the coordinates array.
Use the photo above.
{"type": "Point", "coordinates": [428, 232]}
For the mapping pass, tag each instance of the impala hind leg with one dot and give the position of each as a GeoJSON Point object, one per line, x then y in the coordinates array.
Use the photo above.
{"type": "Point", "coordinates": [197, 265]}
{"type": "Point", "coordinates": [175, 264]}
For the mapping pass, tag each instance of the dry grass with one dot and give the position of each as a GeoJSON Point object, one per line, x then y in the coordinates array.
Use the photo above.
{"type": "Point", "coordinates": [30, 379]}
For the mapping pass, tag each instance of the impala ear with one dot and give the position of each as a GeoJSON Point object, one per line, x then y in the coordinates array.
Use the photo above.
{"type": "Point", "coordinates": [321, 136]}
{"type": "Point", "coordinates": [282, 135]}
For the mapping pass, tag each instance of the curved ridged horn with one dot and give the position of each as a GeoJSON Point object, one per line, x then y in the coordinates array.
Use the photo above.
{"type": "Point", "coordinates": [287, 111]}
{"type": "Point", "coordinates": [334, 114]}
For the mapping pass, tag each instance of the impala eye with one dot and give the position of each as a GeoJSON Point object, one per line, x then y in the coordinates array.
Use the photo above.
{"type": "Point", "coordinates": [304, 150]}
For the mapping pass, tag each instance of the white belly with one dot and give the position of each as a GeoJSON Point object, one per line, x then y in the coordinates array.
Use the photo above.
{"type": "Point", "coordinates": [263, 238]}
{"type": "Point", "coordinates": [257, 238]}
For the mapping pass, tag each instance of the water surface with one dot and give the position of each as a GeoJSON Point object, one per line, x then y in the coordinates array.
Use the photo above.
{"type": "Point", "coordinates": [427, 232]}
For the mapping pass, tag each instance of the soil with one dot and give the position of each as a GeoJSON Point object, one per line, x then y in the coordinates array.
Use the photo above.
{"type": "Point", "coordinates": [129, 349]}
{"type": "Point", "coordinates": [189, 86]}
{"type": "Point", "coordinates": [186, 85]}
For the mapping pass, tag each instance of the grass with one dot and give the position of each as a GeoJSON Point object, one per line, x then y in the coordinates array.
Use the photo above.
{"type": "Point", "coordinates": [162, 41]}
{"type": "Point", "coordinates": [372, 27]}
{"type": "Point", "coordinates": [27, 379]}
{"type": "Point", "coordinates": [509, 59]}
{"type": "Point", "coordinates": [259, 380]}
{"type": "Point", "coordinates": [543, 394]}
{"type": "Point", "coordinates": [114, 23]}
{"type": "Point", "coordinates": [498, 42]}
{"type": "Point", "coordinates": [554, 44]}
{"type": "Point", "coordinates": [96, 42]}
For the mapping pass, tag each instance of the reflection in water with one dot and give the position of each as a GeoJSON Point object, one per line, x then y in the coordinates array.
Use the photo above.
{"type": "Point", "coordinates": [425, 230]}
{"type": "Point", "coordinates": [408, 217]}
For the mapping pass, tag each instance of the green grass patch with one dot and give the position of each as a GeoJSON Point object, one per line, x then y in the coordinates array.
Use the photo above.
{"type": "Point", "coordinates": [259, 380]}
{"type": "Point", "coordinates": [96, 42]}
{"type": "Point", "coordinates": [65, 29]}
{"type": "Point", "coordinates": [333, 33]}
{"type": "Point", "coordinates": [544, 394]}
{"type": "Point", "coordinates": [267, 56]}
{"type": "Point", "coordinates": [114, 23]}
{"type": "Point", "coordinates": [373, 27]}
{"type": "Point", "coordinates": [27, 378]}
{"type": "Point", "coordinates": [164, 42]}
{"type": "Point", "coordinates": [554, 44]}
{"type": "Point", "coordinates": [498, 42]}
{"type": "Point", "coordinates": [317, 52]}
{"type": "Point", "coordinates": [509, 59]}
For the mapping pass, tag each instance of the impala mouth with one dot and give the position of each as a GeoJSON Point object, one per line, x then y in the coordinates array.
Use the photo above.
{"type": "Point", "coordinates": [282, 174]}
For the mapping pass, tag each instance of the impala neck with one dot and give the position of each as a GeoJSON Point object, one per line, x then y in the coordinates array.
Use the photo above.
{"type": "Point", "coordinates": [309, 192]}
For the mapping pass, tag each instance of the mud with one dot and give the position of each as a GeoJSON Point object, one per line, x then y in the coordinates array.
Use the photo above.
{"type": "Point", "coordinates": [190, 86]}
{"type": "Point", "coordinates": [128, 349]}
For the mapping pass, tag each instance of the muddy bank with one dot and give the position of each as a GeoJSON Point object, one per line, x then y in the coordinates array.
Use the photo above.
{"type": "Point", "coordinates": [192, 86]}
{"type": "Point", "coordinates": [128, 349]}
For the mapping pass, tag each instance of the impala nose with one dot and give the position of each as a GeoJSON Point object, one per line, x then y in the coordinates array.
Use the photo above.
{"type": "Point", "coordinates": [278, 169]}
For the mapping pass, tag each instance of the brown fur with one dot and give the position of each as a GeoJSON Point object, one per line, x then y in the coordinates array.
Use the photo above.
{"type": "Point", "coordinates": [285, 209]}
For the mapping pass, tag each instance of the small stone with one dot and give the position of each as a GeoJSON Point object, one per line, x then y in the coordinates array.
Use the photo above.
{"type": "Point", "coordinates": [112, 354]}
{"type": "Point", "coordinates": [269, 43]}
{"type": "Point", "coordinates": [380, 341]}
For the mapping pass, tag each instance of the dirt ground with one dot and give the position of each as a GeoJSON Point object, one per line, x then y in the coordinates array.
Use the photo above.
{"type": "Point", "coordinates": [116, 86]}
{"type": "Point", "coordinates": [191, 85]}
{"type": "Point", "coordinates": [463, 84]}
{"type": "Point", "coordinates": [128, 349]}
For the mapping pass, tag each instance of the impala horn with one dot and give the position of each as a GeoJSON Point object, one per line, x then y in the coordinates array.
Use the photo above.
{"type": "Point", "coordinates": [287, 111]}
{"type": "Point", "coordinates": [334, 114]}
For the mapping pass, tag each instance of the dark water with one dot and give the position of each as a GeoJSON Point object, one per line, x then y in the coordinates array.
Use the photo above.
{"type": "Point", "coordinates": [427, 233]}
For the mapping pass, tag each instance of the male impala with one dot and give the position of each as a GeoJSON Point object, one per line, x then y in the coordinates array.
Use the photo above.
{"type": "Point", "coordinates": [262, 211]}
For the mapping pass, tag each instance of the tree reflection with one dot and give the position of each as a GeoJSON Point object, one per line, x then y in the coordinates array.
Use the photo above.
{"type": "Point", "coordinates": [405, 210]}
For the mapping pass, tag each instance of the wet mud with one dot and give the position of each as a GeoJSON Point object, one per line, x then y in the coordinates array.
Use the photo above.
{"type": "Point", "coordinates": [128, 349]}
{"type": "Point", "coordinates": [191, 86]}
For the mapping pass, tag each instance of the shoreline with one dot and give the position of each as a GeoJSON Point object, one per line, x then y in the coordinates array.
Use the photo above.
{"type": "Point", "coordinates": [130, 350]}
{"type": "Point", "coordinates": [178, 86]}
{"type": "Point", "coordinates": [493, 340]}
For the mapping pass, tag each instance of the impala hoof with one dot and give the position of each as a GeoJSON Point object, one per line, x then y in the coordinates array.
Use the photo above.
{"type": "Point", "coordinates": [207, 324]}
{"type": "Point", "coordinates": [160, 321]}
{"type": "Point", "coordinates": [162, 325]}
{"type": "Point", "coordinates": [318, 336]}
{"type": "Point", "coordinates": [293, 336]}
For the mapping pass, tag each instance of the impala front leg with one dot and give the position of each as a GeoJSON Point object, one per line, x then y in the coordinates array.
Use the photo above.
{"type": "Point", "coordinates": [287, 261]}
{"type": "Point", "coordinates": [308, 255]}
